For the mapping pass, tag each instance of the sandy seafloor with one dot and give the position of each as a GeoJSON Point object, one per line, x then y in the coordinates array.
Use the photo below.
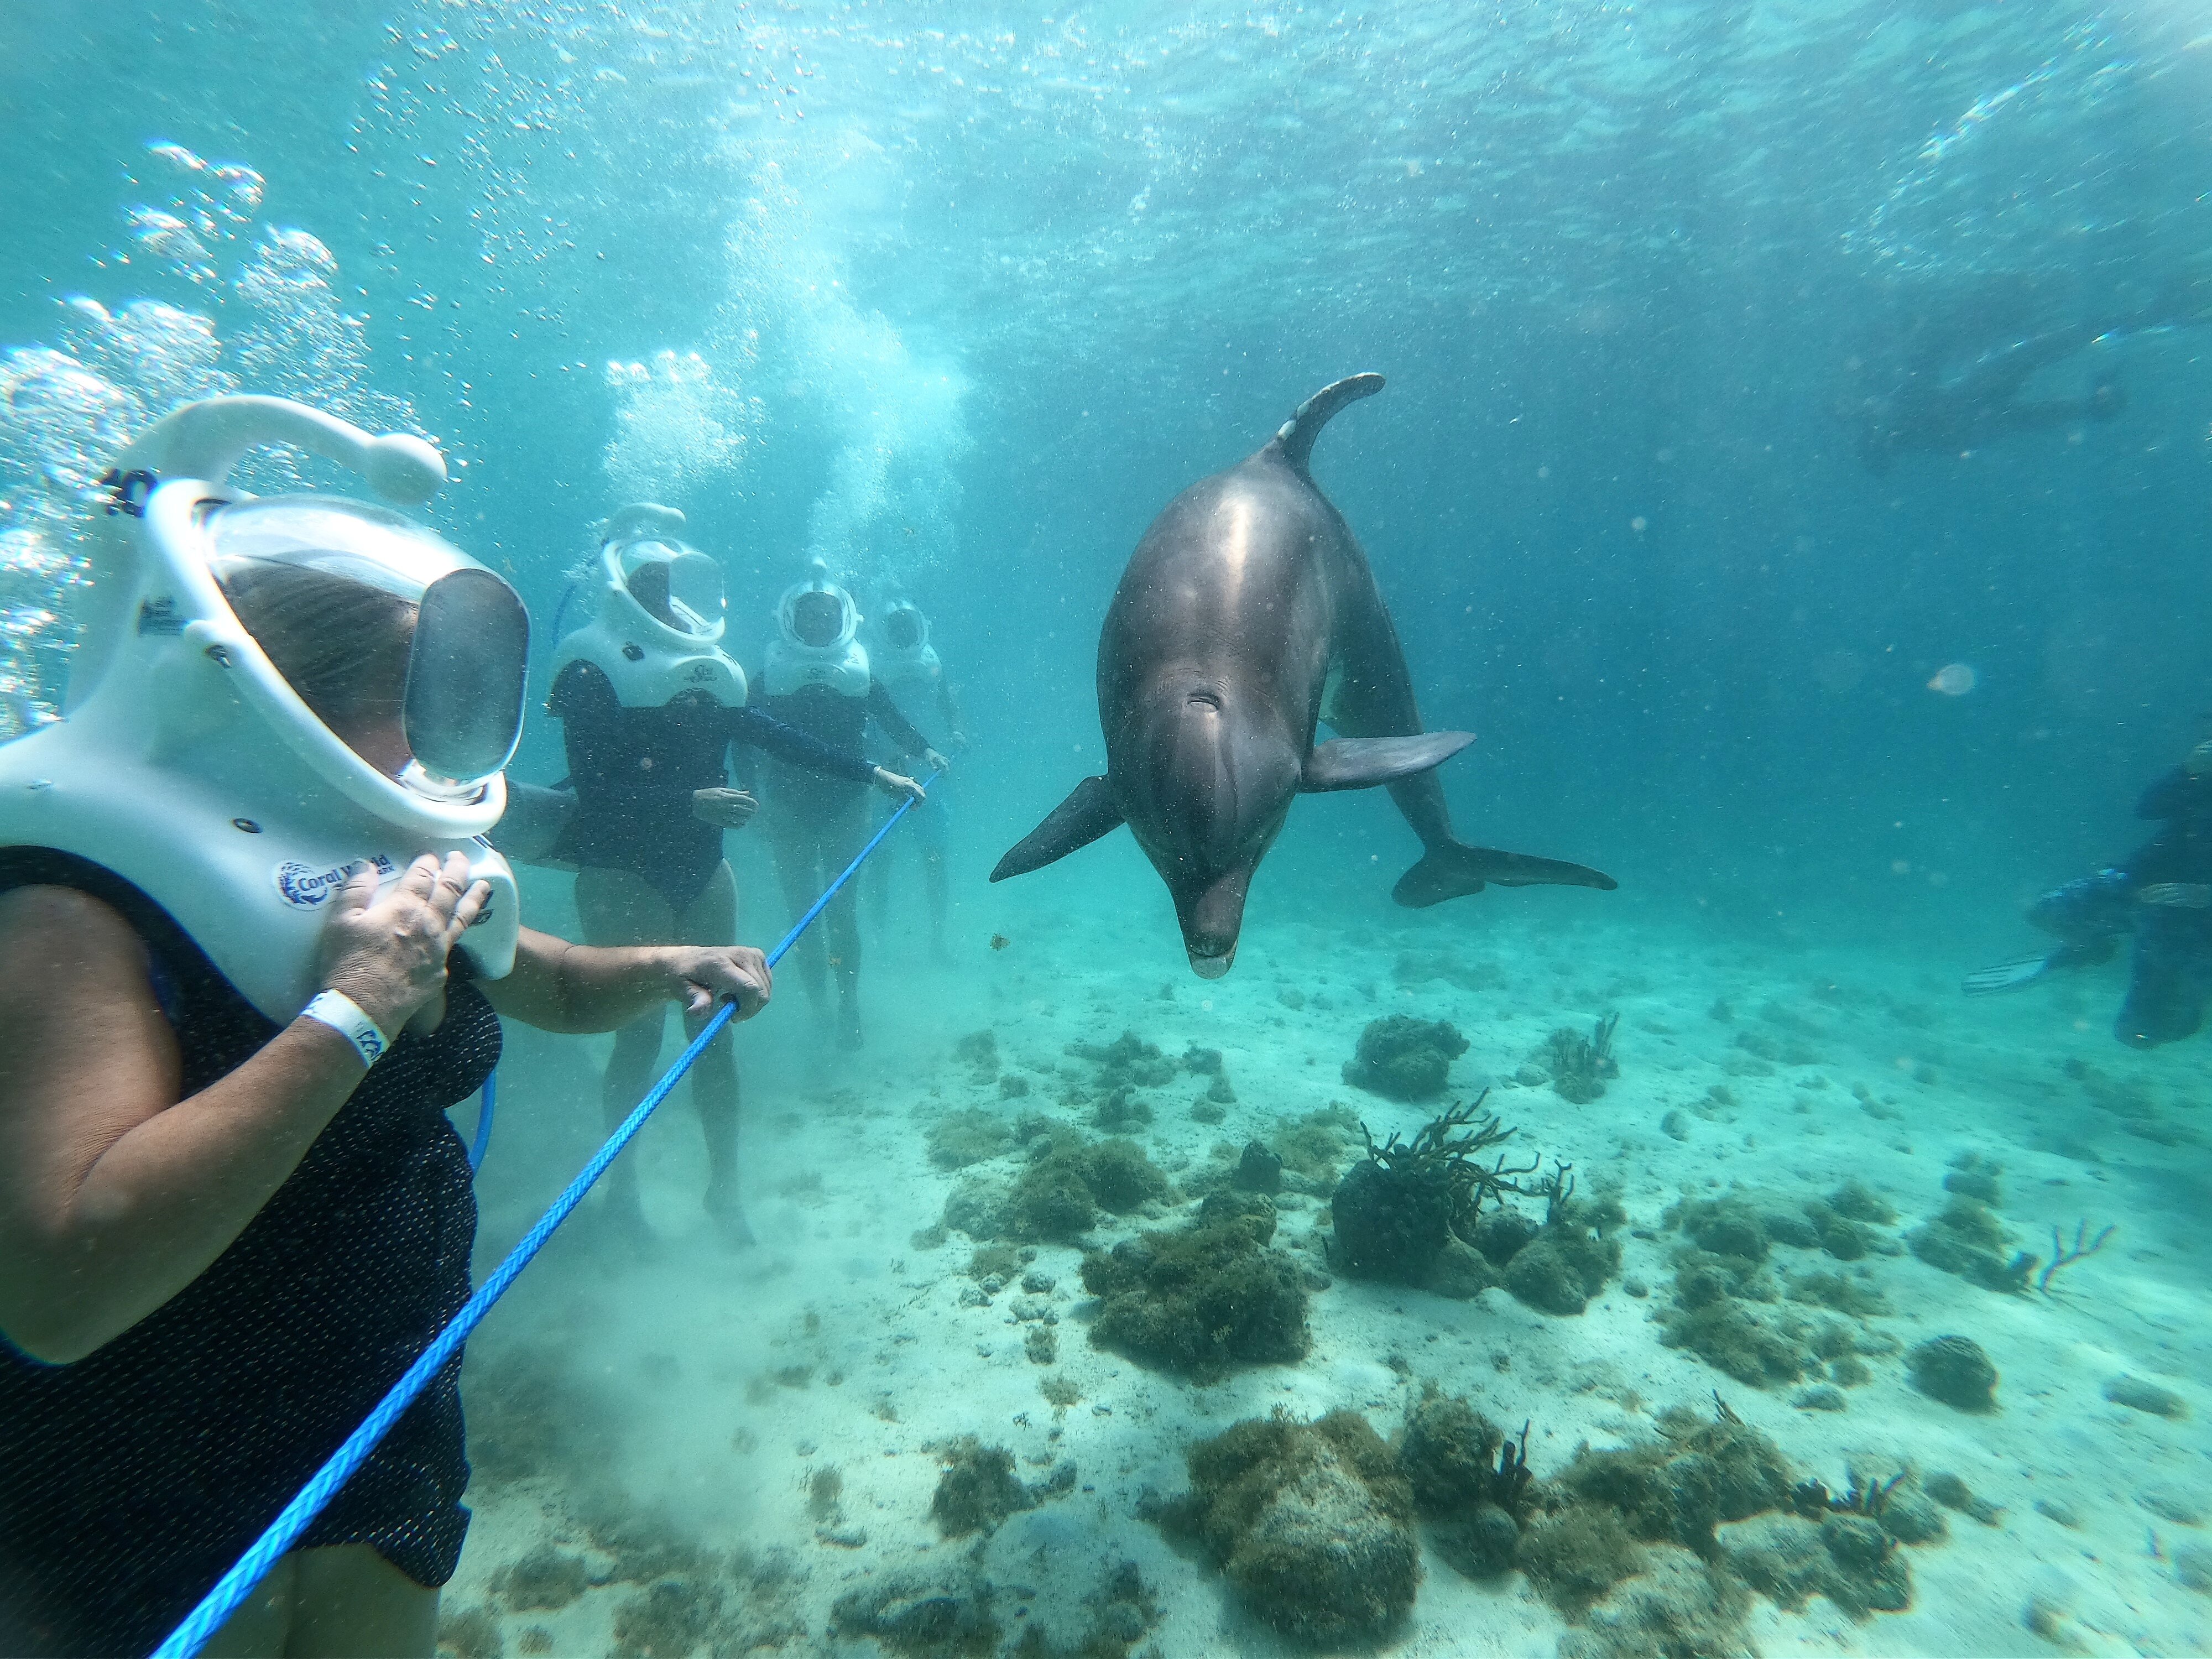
{"type": "Point", "coordinates": [698, 1392]}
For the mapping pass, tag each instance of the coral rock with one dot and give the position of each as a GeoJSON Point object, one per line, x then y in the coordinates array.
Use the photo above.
{"type": "Point", "coordinates": [1402, 1058]}
{"type": "Point", "coordinates": [1312, 1524]}
{"type": "Point", "coordinates": [1955, 1370]}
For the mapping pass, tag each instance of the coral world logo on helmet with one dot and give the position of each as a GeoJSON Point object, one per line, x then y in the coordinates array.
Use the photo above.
{"type": "Point", "coordinates": [304, 887]}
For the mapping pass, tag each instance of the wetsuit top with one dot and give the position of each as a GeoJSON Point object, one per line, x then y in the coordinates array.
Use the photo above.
{"type": "Point", "coordinates": [938, 688]}
{"type": "Point", "coordinates": [841, 723]}
{"type": "Point", "coordinates": [2182, 850]}
{"type": "Point", "coordinates": [131, 1480]}
{"type": "Point", "coordinates": [636, 770]}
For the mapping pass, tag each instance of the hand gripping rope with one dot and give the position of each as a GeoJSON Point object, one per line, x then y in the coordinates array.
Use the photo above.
{"type": "Point", "coordinates": [233, 1587]}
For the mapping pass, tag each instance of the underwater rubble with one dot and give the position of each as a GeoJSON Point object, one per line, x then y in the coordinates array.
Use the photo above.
{"type": "Point", "coordinates": [1312, 1526]}
{"type": "Point", "coordinates": [1205, 1299]}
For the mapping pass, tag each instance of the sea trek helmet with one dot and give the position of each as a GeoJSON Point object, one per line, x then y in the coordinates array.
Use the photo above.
{"type": "Point", "coordinates": [658, 629]}
{"type": "Point", "coordinates": [187, 764]}
{"type": "Point", "coordinates": [841, 662]}
{"type": "Point", "coordinates": [905, 658]}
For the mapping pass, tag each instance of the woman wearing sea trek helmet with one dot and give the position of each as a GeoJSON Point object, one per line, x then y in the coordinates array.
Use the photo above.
{"type": "Point", "coordinates": [908, 664]}
{"type": "Point", "coordinates": [816, 678]}
{"type": "Point", "coordinates": [252, 946]}
{"type": "Point", "coordinates": [649, 705]}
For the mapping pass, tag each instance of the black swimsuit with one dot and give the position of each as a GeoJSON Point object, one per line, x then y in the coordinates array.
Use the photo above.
{"type": "Point", "coordinates": [131, 1480]}
{"type": "Point", "coordinates": [634, 771]}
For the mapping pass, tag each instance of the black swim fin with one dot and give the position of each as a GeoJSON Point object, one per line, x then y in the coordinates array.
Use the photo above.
{"type": "Point", "coordinates": [1363, 762]}
{"type": "Point", "coordinates": [1454, 869]}
{"type": "Point", "coordinates": [2015, 975]}
{"type": "Point", "coordinates": [2023, 971]}
{"type": "Point", "coordinates": [1088, 812]}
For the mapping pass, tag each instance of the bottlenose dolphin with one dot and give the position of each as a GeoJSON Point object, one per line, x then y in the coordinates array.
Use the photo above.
{"type": "Point", "coordinates": [1248, 615]}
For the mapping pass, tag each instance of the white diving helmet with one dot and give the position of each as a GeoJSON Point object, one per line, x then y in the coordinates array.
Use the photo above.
{"type": "Point", "coordinates": [903, 657]}
{"type": "Point", "coordinates": [188, 764]}
{"type": "Point", "coordinates": [841, 664]}
{"type": "Point", "coordinates": [658, 630]}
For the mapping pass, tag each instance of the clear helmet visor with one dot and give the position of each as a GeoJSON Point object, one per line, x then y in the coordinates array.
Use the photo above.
{"type": "Point", "coordinates": [399, 643]}
{"type": "Point", "coordinates": [371, 545]}
{"type": "Point", "coordinates": [675, 585]}
{"type": "Point", "coordinates": [905, 629]}
{"type": "Point", "coordinates": [462, 713]}
{"type": "Point", "coordinates": [820, 619]}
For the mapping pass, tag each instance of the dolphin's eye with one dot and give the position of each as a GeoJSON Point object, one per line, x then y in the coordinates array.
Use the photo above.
{"type": "Point", "coordinates": [1204, 698]}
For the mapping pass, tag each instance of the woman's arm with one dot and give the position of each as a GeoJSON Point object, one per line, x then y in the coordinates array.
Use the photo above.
{"type": "Point", "coordinates": [788, 744]}
{"type": "Point", "coordinates": [602, 764]}
{"type": "Point", "coordinates": [948, 706]}
{"type": "Point", "coordinates": [559, 987]}
{"type": "Point", "coordinates": [115, 1195]}
{"type": "Point", "coordinates": [897, 726]}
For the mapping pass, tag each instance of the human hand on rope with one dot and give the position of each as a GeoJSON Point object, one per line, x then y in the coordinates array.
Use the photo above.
{"type": "Point", "coordinates": [894, 783]}
{"type": "Point", "coordinates": [387, 952]}
{"type": "Point", "coordinates": [699, 976]}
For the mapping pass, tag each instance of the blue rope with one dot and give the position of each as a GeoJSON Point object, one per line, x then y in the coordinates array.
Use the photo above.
{"type": "Point", "coordinates": [561, 609]}
{"type": "Point", "coordinates": [482, 1144]}
{"type": "Point", "coordinates": [233, 1587]}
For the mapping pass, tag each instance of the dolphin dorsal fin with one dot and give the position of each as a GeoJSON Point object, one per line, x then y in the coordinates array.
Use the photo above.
{"type": "Point", "coordinates": [1298, 433]}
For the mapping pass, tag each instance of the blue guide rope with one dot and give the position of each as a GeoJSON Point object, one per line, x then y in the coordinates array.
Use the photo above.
{"type": "Point", "coordinates": [231, 1590]}
{"type": "Point", "coordinates": [482, 1144]}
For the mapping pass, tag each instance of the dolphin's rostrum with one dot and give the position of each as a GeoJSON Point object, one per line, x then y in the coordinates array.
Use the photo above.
{"type": "Point", "coordinates": [1248, 615]}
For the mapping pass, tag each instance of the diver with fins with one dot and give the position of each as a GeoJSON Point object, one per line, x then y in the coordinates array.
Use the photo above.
{"type": "Point", "coordinates": [1964, 368]}
{"type": "Point", "coordinates": [2162, 894]}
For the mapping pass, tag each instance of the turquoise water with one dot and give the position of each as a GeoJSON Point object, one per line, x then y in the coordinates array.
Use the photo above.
{"type": "Point", "coordinates": [956, 297]}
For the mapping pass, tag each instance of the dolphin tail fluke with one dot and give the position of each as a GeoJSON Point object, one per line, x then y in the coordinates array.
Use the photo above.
{"type": "Point", "coordinates": [1088, 812]}
{"type": "Point", "coordinates": [1298, 433]}
{"type": "Point", "coordinates": [1452, 869]}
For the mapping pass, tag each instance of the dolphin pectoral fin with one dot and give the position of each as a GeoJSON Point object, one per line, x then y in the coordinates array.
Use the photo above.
{"type": "Point", "coordinates": [1452, 869]}
{"type": "Point", "coordinates": [1363, 762]}
{"type": "Point", "coordinates": [1087, 813]}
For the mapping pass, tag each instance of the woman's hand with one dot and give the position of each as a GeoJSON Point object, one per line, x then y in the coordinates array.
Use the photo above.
{"type": "Point", "coordinates": [892, 783]}
{"type": "Point", "coordinates": [726, 809]}
{"type": "Point", "coordinates": [2176, 896]}
{"type": "Point", "coordinates": [700, 976]}
{"type": "Point", "coordinates": [933, 761]}
{"type": "Point", "coordinates": [389, 953]}
{"type": "Point", "coordinates": [559, 987]}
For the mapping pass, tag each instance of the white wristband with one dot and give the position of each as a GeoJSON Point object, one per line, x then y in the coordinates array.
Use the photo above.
{"type": "Point", "coordinates": [342, 1015]}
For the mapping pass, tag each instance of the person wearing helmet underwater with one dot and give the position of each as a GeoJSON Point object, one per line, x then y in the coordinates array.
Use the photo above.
{"type": "Point", "coordinates": [908, 666]}
{"type": "Point", "coordinates": [2162, 893]}
{"type": "Point", "coordinates": [817, 678]}
{"type": "Point", "coordinates": [253, 946]}
{"type": "Point", "coordinates": [649, 705]}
